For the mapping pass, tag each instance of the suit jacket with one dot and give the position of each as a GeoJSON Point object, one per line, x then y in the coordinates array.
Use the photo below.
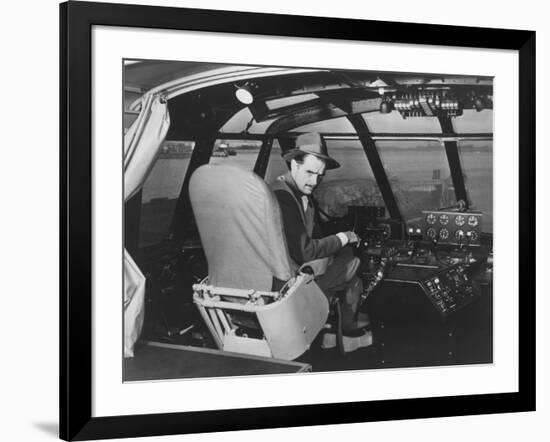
{"type": "Point", "coordinates": [302, 237]}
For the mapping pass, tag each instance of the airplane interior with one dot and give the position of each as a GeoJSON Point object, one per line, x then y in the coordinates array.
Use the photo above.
{"type": "Point", "coordinates": [202, 229]}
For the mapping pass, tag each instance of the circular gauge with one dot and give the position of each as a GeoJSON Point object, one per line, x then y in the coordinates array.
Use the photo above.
{"type": "Point", "coordinates": [459, 234]}
{"type": "Point", "coordinates": [431, 219]}
{"type": "Point", "coordinates": [431, 233]}
{"type": "Point", "coordinates": [443, 234]}
{"type": "Point", "coordinates": [473, 221]}
{"type": "Point", "coordinates": [460, 220]}
{"type": "Point", "coordinates": [472, 234]}
{"type": "Point", "coordinates": [444, 219]}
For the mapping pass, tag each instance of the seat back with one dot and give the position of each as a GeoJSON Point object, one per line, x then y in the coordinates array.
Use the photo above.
{"type": "Point", "coordinates": [240, 228]}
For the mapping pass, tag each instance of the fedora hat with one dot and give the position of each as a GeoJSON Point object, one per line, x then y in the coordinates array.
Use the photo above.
{"type": "Point", "coordinates": [311, 143]}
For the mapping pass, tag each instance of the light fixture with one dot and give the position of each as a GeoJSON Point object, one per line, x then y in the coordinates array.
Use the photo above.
{"type": "Point", "coordinates": [244, 93]}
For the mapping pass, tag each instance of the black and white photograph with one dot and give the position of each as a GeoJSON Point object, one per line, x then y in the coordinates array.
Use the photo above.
{"type": "Point", "coordinates": [272, 221]}
{"type": "Point", "coordinates": [286, 220]}
{"type": "Point", "coordinates": [277, 221]}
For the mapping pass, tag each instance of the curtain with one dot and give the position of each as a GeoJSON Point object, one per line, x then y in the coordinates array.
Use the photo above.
{"type": "Point", "coordinates": [141, 145]}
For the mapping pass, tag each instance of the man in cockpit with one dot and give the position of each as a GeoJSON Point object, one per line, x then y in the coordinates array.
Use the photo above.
{"type": "Point", "coordinates": [308, 162]}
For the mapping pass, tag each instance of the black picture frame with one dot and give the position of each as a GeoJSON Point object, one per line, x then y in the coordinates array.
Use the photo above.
{"type": "Point", "coordinates": [76, 22]}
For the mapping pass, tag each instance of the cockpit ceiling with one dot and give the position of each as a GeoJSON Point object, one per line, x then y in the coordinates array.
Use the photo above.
{"type": "Point", "coordinates": [146, 75]}
{"type": "Point", "coordinates": [285, 101]}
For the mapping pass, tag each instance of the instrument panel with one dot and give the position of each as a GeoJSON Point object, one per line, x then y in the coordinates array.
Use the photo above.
{"type": "Point", "coordinates": [450, 289]}
{"type": "Point", "coordinates": [461, 228]}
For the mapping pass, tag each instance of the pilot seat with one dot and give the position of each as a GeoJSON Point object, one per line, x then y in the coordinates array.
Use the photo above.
{"type": "Point", "coordinates": [254, 300]}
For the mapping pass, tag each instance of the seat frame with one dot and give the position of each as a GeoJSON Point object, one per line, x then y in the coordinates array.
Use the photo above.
{"type": "Point", "coordinates": [289, 319]}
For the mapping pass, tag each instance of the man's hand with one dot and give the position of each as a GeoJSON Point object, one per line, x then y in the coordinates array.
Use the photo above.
{"type": "Point", "coordinates": [348, 238]}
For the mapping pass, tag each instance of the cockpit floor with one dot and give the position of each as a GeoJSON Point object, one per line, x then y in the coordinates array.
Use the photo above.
{"type": "Point", "coordinates": [462, 341]}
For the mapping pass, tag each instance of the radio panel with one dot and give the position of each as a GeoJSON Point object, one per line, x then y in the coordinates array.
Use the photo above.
{"type": "Point", "coordinates": [450, 289]}
{"type": "Point", "coordinates": [461, 228]}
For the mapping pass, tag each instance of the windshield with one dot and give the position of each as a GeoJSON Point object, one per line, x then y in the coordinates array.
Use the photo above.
{"type": "Point", "coordinates": [421, 180]}
{"type": "Point", "coordinates": [418, 171]}
{"type": "Point", "coordinates": [161, 190]}
{"type": "Point", "coordinates": [419, 175]}
{"type": "Point", "coordinates": [238, 153]}
{"type": "Point", "coordinates": [352, 184]}
{"type": "Point", "coordinates": [477, 163]}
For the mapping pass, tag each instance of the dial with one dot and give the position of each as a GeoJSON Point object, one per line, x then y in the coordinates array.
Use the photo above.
{"type": "Point", "coordinates": [431, 219]}
{"type": "Point", "coordinates": [472, 234]}
{"type": "Point", "coordinates": [473, 221]}
{"type": "Point", "coordinates": [431, 233]}
{"type": "Point", "coordinates": [459, 234]}
{"type": "Point", "coordinates": [444, 219]}
{"type": "Point", "coordinates": [443, 233]}
{"type": "Point", "coordinates": [460, 220]}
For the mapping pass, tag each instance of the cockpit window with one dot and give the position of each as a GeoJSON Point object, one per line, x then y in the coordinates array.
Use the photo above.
{"type": "Point", "coordinates": [238, 153]}
{"type": "Point", "coordinates": [161, 190]}
{"type": "Point", "coordinates": [474, 122]}
{"type": "Point", "coordinates": [352, 184]}
{"type": "Point", "coordinates": [476, 158]}
{"type": "Point", "coordinates": [395, 123]}
{"type": "Point", "coordinates": [419, 175]}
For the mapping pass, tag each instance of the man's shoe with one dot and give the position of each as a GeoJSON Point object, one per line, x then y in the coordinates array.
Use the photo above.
{"type": "Point", "coordinates": [360, 339]}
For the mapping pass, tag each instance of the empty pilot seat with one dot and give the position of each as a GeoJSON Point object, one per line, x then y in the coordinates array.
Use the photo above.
{"type": "Point", "coordinates": [254, 300]}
